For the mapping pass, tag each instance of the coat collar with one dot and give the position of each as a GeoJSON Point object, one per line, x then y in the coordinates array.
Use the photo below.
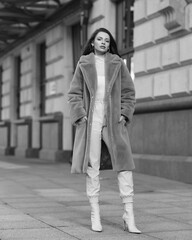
{"type": "Point", "coordinates": [87, 65]}
{"type": "Point", "coordinates": [90, 58]}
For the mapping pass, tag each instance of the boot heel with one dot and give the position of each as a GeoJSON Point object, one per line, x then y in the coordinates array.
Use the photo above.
{"type": "Point", "coordinates": [129, 225]}
{"type": "Point", "coordinates": [125, 226]}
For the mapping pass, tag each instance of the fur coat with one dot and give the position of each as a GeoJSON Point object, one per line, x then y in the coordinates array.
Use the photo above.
{"type": "Point", "coordinates": [120, 98]}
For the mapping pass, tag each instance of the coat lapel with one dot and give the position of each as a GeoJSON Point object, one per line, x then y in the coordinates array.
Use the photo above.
{"type": "Point", "coordinates": [112, 66]}
{"type": "Point", "coordinates": [87, 65]}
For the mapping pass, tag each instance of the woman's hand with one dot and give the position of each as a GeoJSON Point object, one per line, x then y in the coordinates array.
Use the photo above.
{"type": "Point", "coordinates": [81, 120]}
{"type": "Point", "coordinates": [122, 118]}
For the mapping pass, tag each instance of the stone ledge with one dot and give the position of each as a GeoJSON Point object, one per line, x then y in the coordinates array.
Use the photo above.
{"type": "Point", "coordinates": [178, 168]}
{"type": "Point", "coordinates": [53, 155]}
{"type": "Point", "coordinates": [163, 104]}
{"type": "Point", "coordinates": [6, 151]}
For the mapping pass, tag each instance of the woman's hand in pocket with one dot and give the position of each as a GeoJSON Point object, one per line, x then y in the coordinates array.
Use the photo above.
{"type": "Point", "coordinates": [81, 120]}
{"type": "Point", "coordinates": [122, 118]}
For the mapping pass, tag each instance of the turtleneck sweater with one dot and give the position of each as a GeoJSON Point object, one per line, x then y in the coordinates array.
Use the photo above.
{"type": "Point", "coordinates": [100, 68]}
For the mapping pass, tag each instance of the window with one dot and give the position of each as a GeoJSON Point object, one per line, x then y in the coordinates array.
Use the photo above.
{"type": "Point", "coordinates": [76, 38]}
{"type": "Point", "coordinates": [42, 70]}
{"type": "Point", "coordinates": [125, 26]}
{"type": "Point", "coordinates": [17, 84]}
{"type": "Point", "coordinates": [1, 94]}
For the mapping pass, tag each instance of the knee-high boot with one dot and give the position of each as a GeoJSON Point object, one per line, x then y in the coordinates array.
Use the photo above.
{"type": "Point", "coordinates": [93, 188]}
{"type": "Point", "coordinates": [125, 181]}
{"type": "Point", "coordinates": [129, 219]}
{"type": "Point", "coordinates": [95, 217]}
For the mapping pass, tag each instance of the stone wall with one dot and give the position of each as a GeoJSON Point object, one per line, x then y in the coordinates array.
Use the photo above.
{"type": "Point", "coordinates": [162, 59]}
{"type": "Point", "coordinates": [25, 117]}
{"type": "Point", "coordinates": [161, 132]}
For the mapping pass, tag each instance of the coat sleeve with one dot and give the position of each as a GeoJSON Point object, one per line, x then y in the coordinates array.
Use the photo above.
{"type": "Point", "coordinates": [75, 96]}
{"type": "Point", "coordinates": [127, 93]}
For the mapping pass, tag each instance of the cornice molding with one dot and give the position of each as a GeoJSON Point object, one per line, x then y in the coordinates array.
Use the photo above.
{"type": "Point", "coordinates": [188, 1]}
{"type": "Point", "coordinates": [116, 1]}
{"type": "Point", "coordinates": [161, 105]}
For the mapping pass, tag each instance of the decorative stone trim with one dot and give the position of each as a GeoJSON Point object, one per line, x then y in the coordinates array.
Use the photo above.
{"type": "Point", "coordinates": [96, 19]}
{"type": "Point", "coordinates": [162, 105]}
{"type": "Point", "coordinates": [174, 12]}
{"type": "Point", "coordinates": [188, 1]}
{"type": "Point", "coordinates": [115, 1]}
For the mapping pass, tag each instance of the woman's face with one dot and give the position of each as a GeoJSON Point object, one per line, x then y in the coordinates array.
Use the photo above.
{"type": "Point", "coordinates": [101, 43]}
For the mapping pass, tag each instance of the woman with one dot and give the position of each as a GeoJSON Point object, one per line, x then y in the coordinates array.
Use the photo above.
{"type": "Point", "coordinates": [102, 100]}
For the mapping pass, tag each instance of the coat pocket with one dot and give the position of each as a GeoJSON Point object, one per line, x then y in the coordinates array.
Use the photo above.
{"type": "Point", "coordinates": [123, 130]}
{"type": "Point", "coordinates": [79, 148]}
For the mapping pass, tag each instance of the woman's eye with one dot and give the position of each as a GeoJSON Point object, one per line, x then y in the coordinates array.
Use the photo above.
{"type": "Point", "coordinates": [100, 39]}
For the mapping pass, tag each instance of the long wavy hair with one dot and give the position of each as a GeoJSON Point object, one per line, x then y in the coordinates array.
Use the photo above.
{"type": "Point", "coordinates": [89, 48]}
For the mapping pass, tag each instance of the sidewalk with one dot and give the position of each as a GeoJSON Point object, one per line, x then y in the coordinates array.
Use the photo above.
{"type": "Point", "coordinates": [43, 201]}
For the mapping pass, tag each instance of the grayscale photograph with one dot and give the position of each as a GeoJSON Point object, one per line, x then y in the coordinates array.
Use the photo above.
{"type": "Point", "coordinates": [95, 119]}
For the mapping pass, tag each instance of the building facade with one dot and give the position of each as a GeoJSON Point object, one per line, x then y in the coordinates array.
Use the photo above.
{"type": "Point", "coordinates": [154, 37]}
{"type": "Point", "coordinates": [162, 127]}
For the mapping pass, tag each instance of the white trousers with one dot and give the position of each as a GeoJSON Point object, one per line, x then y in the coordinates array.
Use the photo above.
{"type": "Point", "coordinates": [125, 178]}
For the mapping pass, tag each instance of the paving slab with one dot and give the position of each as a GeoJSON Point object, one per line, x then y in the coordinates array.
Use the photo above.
{"type": "Point", "coordinates": [44, 201]}
{"type": "Point", "coordinates": [41, 234]}
{"type": "Point", "coordinates": [173, 235]}
{"type": "Point", "coordinates": [28, 205]}
{"type": "Point", "coordinates": [21, 224]}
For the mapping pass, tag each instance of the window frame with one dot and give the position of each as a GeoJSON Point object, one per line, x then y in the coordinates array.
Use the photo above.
{"type": "Point", "coordinates": [1, 94]}
{"type": "Point", "coordinates": [124, 13]}
{"type": "Point", "coordinates": [42, 74]}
